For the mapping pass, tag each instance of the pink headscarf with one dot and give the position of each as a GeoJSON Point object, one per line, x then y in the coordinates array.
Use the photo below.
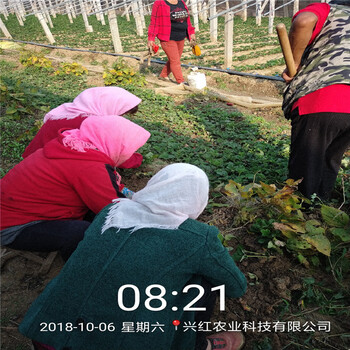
{"type": "Point", "coordinates": [115, 136]}
{"type": "Point", "coordinates": [97, 101]}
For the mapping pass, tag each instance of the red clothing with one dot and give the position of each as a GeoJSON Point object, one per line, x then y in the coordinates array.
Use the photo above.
{"type": "Point", "coordinates": [173, 50]}
{"type": "Point", "coordinates": [48, 132]}
{"type": "Point", "coordinates": [333, 98]}
{"type": "Point", "coordinates": [57, 183]}
{"type": "Point", "coordinates": [50, 129]}
{"type": "Point", "coordinates": [160, 25]}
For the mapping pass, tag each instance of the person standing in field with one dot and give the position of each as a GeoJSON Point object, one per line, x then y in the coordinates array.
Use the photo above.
{"type": "Point", "coordinates": [171, 24]}
{"type": "Point", "coordinates": [317, 98]}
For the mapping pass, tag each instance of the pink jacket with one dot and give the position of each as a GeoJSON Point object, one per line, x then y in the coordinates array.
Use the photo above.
{"type": "Point", "coordinates": [160, 25]}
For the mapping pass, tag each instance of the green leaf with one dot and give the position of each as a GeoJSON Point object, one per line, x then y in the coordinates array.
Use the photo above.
{"type": "Point", "coordinates": [296, 244]}
{"type": "Point", "coordinates": [320, 242]}
{"type": "Point", "coordinates": [11, 110]}
{"type": "Point", "coordinates": [303, 260]}
{"type": "Point", "coordinates": [238, 254]}
{"type": "Point", "coordinates": [232, 189]}
{"type": "Point", "coordinates": [334, 217]}
{"type": "Point", "coordinates": [312, 227]}
{"type": "Point", "coordinates": [221, 237]}
{"type": "Point", "coordinates": [342, 233]}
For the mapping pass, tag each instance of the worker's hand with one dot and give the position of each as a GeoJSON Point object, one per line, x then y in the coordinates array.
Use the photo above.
{"type": "Point", "coordinates": [285, 75]}
{"type": "Point", "coordinates": [193, 39]}
{"type": "Point", "coordinates": [150, 44]}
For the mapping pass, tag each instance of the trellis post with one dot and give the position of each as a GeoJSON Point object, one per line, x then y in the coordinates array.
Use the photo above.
{"type": "Point", "coordinates": [113, 24]}
{"type": "Point", "coordinates": [195, 14]}
{"type": "Point", "coordinates": [244, 15]}
{"type": "Point", "coordinates": [258, 12]}
{"type": "Point", "coordinates": [45, 13]}
{"type": "Point", "coordinates": [229, 17]}
{"type": "Point", "coordinates": [100, 14]}
{"type": "Point", "coordinates": [69, 14]}
{"type": "Point", "coordinates": [205, 12]}
{"type": "Point", "coordinates": [46, 28]}
{"type": "Point", "coordinates": [52, 10]}
{"type": "Point", "coordinates": [126, 11]}
{"type": "Point", "coordinates": [295, 6]}
{"type": "Point", "coordinates": [213, 22]}
{"type": "Point", "coordinates": [4, 11]}
{"type": "Point", "coordinates": [4, 30]}
{"type": "Point", "coordinates": [88, 27]}
{"type": "Point", "coordinates": [19, 19]}
{"type": "Point", "coordinates": [200, 13]}
{"type": "Point", "coordinates": [142, 14]}
{"type": "Point", "coordinates": [135, 11]}
{"type": "Point", "coordinates": [271, 16]}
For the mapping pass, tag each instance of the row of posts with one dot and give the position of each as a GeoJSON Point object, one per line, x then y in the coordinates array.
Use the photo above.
{"type": "Point", "coordinates": [199, 11]}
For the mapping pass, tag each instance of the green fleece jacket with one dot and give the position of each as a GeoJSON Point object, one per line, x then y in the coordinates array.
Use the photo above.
{"type": "Point", "coordinates": [87, 291]}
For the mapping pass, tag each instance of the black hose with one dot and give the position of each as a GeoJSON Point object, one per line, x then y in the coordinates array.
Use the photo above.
{"type": "Point", "coordinates": [229, 71]}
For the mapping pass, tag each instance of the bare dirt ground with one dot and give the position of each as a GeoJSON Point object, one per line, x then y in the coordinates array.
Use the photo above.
{"type": "Point", "coordinates": [275, 282]}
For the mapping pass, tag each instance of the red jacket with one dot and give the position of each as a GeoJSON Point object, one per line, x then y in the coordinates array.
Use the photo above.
{"type": "Point", "coordinates": [57, 183]}
{"type": "Point", "coordinates": [160, 25]}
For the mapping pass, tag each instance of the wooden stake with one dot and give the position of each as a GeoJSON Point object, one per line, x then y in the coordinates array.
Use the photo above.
{"type": "Point", "coordinates": [213, 22]}
{"type": "Point", "coordinates": [229, 17]}
{"type": "Point", "coordinates": [126, 7]}
{"type": "Point", "coordinates": [46, 28]}
{"type": "Point", "coordinates": [88, 27]}
{"type": "Point", "coordinates": [136, 14]}
{"type": "Point", "coordinates": [258, 12]}
{"type": "Point", "coordinates": [4, 30]}
{"type": "Point", "coordinates": [69, 14]}
{"type": "Point", "coordinates": [286, 49]}
{"type": "Point", "coordinates": [113, 24]}
{"type": "Point", "coordinates": [244, 15]}
{"type": "Point", "coordinates": [195, 14]}
{"type": "Point", "coordinates": [295, 7]}
{"type": "Point", "coordinates": [271, 16]}
{"type": "Point", "coordinates": [205, 12]}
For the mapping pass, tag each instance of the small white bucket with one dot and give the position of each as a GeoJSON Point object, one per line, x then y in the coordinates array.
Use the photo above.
{"type": "Point", "coordinates": [197, 80]}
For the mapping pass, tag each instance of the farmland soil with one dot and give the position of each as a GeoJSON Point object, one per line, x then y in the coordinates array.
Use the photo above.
{"type": "Point", "coordinates": [275, 282]}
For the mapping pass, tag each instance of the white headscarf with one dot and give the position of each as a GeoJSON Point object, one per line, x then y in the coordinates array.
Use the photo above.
{"type": "Point", "coordinates": [177, 192]}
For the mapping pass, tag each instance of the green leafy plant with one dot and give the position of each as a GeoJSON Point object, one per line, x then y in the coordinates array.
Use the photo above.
{"type": "Point", "coordinates": [121, 74]}
{"type": "Point", "coordinates": [329, 301]}
{"type": "Point", "coordinates": [37, 60]}
{"type": "Point", "coordinates": [18, 100]}
{"type": "Point", "coordinates": [286, 224]}
{"type": "Point", "coordinates": [71, 69]}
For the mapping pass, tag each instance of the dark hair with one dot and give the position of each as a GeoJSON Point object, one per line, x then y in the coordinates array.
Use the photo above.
{"type": "Point", "coordinates": [132, 110]}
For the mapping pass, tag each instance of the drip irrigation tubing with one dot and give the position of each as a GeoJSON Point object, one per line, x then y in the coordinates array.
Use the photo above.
{"type": "Point", "coordinates": [228, 71]}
